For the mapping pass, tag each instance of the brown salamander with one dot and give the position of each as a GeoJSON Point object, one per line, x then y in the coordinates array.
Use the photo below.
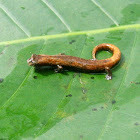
{"type": "Point", "coordinates": [80, 63]}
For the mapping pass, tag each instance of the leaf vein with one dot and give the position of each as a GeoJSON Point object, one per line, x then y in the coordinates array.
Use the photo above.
{"type": "Point", "coordinates": [105, 12]}
{"type": "Point", "coordinates": [15, 93]}
{"type": "Point", "coordinates": [110, 113]}
{"type": "Point", "coordinates": [62, 98]}
{"type": "Point", "coordinates": [20, 26]}
{"type": "Point", "coordinates": [57, 14]}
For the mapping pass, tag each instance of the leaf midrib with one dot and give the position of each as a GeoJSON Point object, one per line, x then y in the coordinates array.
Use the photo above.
{"type": "Point", "coordinates": [132, 26]}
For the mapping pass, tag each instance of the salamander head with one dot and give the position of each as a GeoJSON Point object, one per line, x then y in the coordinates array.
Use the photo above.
{"type": "Point", "coordinates": [31, 61]}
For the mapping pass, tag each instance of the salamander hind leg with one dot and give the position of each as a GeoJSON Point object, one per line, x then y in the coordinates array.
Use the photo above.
{"type": "Point", "coordinates": [58, 69]}
{"type": "Point", "coordinates": [109, 73]}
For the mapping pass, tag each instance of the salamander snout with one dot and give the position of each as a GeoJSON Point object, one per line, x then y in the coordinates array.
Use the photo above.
{"type": "Point", "coordinates": [31, 61]}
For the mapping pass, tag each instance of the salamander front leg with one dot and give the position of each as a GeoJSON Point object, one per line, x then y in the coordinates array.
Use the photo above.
{"type": "Point", "coordinates": [61, 53]}
{"type": "Point", "coordinates": [109, 73]}
{"type": "Point", "coordinates": [93, 59]}
{"type": "Point", "coordinates": [58, 69]}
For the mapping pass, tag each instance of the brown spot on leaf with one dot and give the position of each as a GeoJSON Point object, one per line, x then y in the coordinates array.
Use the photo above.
{"type": "Point", "coordinates": [136, 123]}
{"type": "Point", "coordinates": [94, 109]}
{"type": "Point", "coordinates": [132, 11]}
{"type": "Point", "coordinates": [1, 80]}
{"type": "Point", "coordinates": [71, 41]}
{"type": "Point", "coordinates": [35, 77]}
{"type": "Point", "coordinates": [1, 53]}
{"type": "Point", "coordinates": [113, 101]}
{"type": "Point", "coordinates": [81, 136]}
{"type": "Point", "coordinates": [92, 77]}
{"type": "Point", "coordinates": [69, 95]}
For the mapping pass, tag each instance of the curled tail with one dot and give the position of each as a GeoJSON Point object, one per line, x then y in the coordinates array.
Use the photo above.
{"type": "Point", "coordinates": [115, 50]}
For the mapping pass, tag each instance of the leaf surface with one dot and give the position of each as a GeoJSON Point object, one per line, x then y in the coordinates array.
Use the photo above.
{"type": "Point", "coordinates": [42, 104]}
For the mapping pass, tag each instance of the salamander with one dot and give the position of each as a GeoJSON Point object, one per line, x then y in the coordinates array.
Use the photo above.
{"type": "Point", "coordinates": [93, 64]}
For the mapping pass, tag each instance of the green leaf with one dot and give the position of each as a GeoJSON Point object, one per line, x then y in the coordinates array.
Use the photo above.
{"type": "Point", "coordinates": [42, 104]}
